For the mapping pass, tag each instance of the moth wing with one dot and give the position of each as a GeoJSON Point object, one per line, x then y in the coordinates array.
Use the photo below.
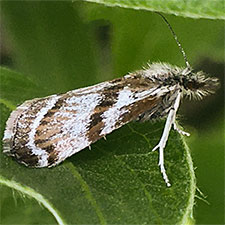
{"type": "Point", "coordinates": [39, 129]}
{"type": "Point", "coordinates": [43, 132]}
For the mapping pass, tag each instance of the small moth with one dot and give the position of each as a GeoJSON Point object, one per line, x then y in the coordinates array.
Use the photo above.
{"type": "Point", "coordinates": [43, 132]}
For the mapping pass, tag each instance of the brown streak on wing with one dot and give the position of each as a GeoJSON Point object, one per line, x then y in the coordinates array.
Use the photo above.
{"type": "Point", "coordinates": [24, 155]}
{"type": "Point", "coordinates": [137, 109]}
{"type": "Point", "coordinates": [50, 126]}
{"type": "Point", "coordinates": [52, 158]}
{"type": "Point", "coordinates": [47, 144]}
{"type": "Point", "coordinates": [134, 110]}
{"type": "Point", "coordinates": [94, 133]}
{"type": "Point", "coordinates": [109, 98]}
{"type": "Point", "coordinates": [96, 124]}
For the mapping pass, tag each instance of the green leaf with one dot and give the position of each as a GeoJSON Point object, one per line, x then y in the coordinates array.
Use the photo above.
{"type": "Point", "coordinates": [57, 44]}
{"type": "Point", "coordinates": [22, 205]}
{"type": "Point", "coordinates": [208, 151]}
{"type": "Point", "coordinates": [194, 9]}
{"type": "Point", "coordinates": [118, 181]}
{"type": "Point", "coordinates": [15, 88]}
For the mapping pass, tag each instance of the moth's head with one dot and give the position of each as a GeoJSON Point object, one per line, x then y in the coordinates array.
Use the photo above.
{"type": "Point", "coordinates": [198, 85]}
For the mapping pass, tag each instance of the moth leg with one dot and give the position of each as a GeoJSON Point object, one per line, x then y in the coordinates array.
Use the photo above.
{"type": "Point", "coordinates": [175, 127]}
{"type": "Point", "coordinates": [104, 138]}
{"type": "Point", "coordinates": [89, 147]}
{"type": "Point", "coordinates": [162, 143]}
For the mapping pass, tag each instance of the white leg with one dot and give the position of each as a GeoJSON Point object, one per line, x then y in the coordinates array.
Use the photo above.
{"type": "Point", "coordinates": [162, 143]}
{"type": "Point", "coordinates": [175, 127]}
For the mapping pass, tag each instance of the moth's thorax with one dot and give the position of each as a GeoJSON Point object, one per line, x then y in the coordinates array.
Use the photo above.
{"type": "Point", "coordinates": [191, 84]}
{"type": "Point", "coordinates": [162, 71]}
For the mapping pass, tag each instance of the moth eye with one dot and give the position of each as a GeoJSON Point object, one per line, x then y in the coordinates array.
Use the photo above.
{"type": "Point", "coordinates": [189, 85]}
{"type": "Point", "coordinates": [193, 85]}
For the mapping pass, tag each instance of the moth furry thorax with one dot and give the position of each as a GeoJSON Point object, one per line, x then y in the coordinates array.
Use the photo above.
{"type": "Point", "coordinates": [45, 131]}
{"type": "Point", "coordinates": [192, 84]}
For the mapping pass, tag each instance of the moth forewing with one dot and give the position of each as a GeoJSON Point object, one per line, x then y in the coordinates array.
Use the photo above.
{"type": "Point", "coordinates": [43, 132]}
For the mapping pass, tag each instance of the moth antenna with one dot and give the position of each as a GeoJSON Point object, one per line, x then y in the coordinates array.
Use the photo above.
{"type": "Point", "coordinates": [176, 39]}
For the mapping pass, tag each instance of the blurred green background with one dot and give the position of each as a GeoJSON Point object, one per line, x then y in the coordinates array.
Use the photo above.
{"type": "Point", "coordinates": [54, 42]}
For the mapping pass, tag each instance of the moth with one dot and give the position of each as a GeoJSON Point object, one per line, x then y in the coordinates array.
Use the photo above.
{"type": "Point", "coordinates": [43, 132]}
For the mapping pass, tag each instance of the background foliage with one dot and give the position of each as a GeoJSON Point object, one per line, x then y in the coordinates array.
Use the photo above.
{"type": "Point", "coordinates": [63, 46]}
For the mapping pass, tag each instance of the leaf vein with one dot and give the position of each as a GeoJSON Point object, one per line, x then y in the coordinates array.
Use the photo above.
{"type": "Point", "coordinates": [32, 193]}
{"type": "Point", "coordinates": [89, 195]}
